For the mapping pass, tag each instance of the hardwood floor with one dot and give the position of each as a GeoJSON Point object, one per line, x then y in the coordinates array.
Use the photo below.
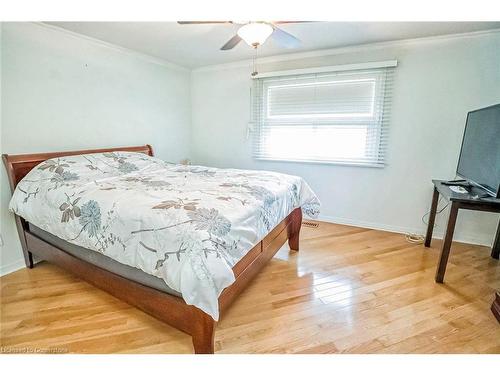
{"type": "Point", "coordinates": [348, 290]}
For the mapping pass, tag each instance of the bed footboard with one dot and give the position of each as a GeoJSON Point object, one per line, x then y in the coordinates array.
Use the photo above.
{"type": "Point", "coordinates": [294, 229]}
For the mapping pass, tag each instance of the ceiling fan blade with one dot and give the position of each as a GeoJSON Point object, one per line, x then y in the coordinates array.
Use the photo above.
{"type": "Point", "coordinates": [285, 39]}
{"type": "Point", "coordinates": [200, 22]}
{"type": "Point", "coordinates": [231, 43]}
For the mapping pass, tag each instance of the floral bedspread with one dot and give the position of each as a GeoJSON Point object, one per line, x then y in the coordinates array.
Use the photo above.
{"type": "Point", "coordinates": [188, 225]}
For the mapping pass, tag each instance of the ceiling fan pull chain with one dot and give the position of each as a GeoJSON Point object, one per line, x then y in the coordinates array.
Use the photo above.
{"type": "Point", "coordinates": [254, 73]}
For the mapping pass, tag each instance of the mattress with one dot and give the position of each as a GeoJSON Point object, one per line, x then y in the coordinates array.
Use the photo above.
{"type": "Point", "coordinates": [97, 259]}
{"type": "Point", "coordinates": [188, 225]}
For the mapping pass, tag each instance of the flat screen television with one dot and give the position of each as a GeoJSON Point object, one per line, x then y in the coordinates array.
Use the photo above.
{"type": "Point", "coordinates": [479, 161]}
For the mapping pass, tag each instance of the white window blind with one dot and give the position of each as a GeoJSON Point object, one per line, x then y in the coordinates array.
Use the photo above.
{"type": "Point", "coordinates": [327, 117]}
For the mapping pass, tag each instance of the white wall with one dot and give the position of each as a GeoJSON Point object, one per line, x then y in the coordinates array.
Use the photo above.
{"type": "Point", "coordinates": [62, 91]}
{"type": "Point", "coordinates": [437, 81]}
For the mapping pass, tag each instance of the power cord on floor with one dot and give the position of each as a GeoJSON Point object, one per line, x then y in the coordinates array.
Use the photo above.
{"type": "Point", "coordinates": [414, 238]}
{"type": "Point", "coordinates": [419, 238]}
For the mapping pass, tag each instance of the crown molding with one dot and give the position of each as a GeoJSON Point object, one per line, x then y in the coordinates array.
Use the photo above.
{"type": "Point", "coordinates": [344, 50]}
{"type": "Point", "coordinates": [275, 58]}
{"type": "Point", "coordinates": [114, 47]}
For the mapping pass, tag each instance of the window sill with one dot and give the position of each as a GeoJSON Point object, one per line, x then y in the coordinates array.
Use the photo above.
{"type": "Point", "coordinates": [322, 162]}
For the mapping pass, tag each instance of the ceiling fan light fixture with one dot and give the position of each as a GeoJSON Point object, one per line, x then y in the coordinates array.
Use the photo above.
{"type": "Point", "coordinates": [255, 33]}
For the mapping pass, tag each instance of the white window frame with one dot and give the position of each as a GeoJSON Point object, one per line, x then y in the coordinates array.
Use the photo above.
{"type": "Point", "coordinates": [375, 72]}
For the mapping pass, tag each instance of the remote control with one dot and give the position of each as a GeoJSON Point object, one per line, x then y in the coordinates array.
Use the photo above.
{"type": "Point", "coordinates": [458, 189]}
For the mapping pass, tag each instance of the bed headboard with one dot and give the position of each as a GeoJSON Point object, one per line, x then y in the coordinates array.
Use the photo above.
{"type": "Point", "coordinates": [18, 166]}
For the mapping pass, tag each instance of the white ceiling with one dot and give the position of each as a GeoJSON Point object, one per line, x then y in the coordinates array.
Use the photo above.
{"type": "Point", "coordinates": [194, 46]}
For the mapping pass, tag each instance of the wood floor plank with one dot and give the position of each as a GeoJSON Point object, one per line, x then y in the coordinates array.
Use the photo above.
{"type": "Point", "coordinates": [348, 290]}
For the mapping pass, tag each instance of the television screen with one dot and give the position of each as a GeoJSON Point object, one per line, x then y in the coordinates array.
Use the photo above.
{"type": "Point", "coordinates": [480, 155]}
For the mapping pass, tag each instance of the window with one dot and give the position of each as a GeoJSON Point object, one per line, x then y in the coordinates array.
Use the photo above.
{"type": "Point", "coordinates": [326, 117]}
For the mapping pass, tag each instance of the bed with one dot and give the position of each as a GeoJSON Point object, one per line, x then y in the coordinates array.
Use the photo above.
{"type": "Point", "coordinates": [178, 242]}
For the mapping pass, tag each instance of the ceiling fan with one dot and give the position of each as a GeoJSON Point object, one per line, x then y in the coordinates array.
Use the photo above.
{"type": "Point", "coordinates": [255, 33]}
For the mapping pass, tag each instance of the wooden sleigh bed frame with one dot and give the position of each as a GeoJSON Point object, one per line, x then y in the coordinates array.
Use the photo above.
{"type": "Point", "coordinates": [165, 307]}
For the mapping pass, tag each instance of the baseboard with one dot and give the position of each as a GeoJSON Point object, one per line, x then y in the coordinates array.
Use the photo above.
{"type": "Point", "coordinates": [11, 267]}
{"type": "Point", "coordinates": [398, 229]}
